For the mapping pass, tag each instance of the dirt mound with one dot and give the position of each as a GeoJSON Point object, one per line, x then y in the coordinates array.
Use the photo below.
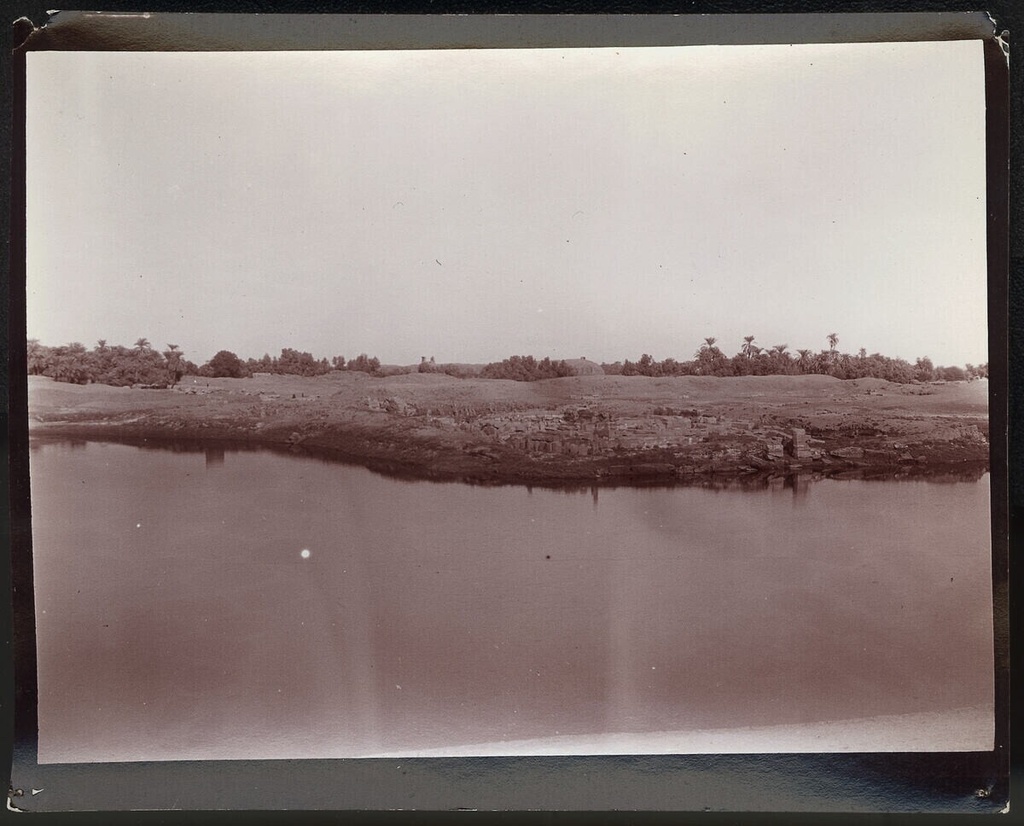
{"type": "Point", "coordinates": [396, 369]}
{"type": "Point", "coordinates": [585, 367]}
{"type": "Point", "coordinates": [785, 382]}
{"type": "Point", "coordinates": [422, 379]}
{"type": "Point", "coordinates": [871, 384]}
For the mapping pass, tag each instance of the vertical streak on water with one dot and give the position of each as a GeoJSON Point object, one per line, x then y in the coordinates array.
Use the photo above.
{"type": "Point", "coordinates": [364, 683]}
{"type": "Point", "coordinates": [620, 695]}
{"type": "Point", "coordinates": [345, 591]}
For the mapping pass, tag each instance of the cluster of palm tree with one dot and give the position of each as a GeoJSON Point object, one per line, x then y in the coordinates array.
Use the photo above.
{"type": "Point", "coordinates": [755, 360]}
{"type": "Point", "coordinates": [108, 364]}
{"type": "Point", "coordinates": [142, 364]}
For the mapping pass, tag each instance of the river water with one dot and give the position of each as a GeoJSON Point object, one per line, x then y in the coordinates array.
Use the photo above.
{"type": "Point", "coordinates": [226, 604]}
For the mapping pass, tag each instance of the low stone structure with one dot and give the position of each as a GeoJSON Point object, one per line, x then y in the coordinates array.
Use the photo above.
{"type": "Point", "coordinates": [800, 447]}
{"type": "Point", "coordinates": [796, 445]}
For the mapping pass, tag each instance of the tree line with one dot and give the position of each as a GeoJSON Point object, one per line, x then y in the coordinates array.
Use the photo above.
{"type": "Point", "coordinates": [143, 364]}
{"type": "Point", "coordinates": [516, 368]}
{"type": "Point", "coordinates": [527, 368]}
{"type": "Point", "coordinates": [226, 364]}
{"type": "Point", "coordinates": [777, 360]}
{"type": "Point", "coordinates": [109, 364]}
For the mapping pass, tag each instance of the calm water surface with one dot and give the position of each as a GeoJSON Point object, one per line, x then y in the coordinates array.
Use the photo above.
{"type": "Point", "coordinates": [178, 617]}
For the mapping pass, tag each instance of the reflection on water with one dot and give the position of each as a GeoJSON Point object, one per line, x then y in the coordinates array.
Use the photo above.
{"type": "Point", "coordinates": [799, 484]}
{"type": "Point", "coordinates": [180, 617]}
{"type": "Point", "coordinates": [971, 472]}
{"type": "Point", "coordinates": [214, 456]}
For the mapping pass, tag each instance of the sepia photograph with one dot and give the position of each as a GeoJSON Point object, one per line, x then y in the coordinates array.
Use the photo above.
{"type": "Point", "coordinates": [510, 402]}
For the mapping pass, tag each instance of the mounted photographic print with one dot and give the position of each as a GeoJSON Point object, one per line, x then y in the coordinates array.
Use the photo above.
{"type": "Point", "coordinates": [509, 402]}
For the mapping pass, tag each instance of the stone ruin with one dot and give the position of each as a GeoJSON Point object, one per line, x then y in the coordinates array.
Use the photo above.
{"type": "Point", "coordinates": [800, 447]}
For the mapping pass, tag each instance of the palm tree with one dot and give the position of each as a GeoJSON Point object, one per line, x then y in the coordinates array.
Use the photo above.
{"type": "Point", "coordinates": [749, 348]}
{"type": "Point", "coordinates": [805, 360]}
{"type": "Point", "coordinates": [71, 364]}
{"type": "Point", "coordinates": [708, 357]}
{"type": "Point", "coordinates": [780, 360]}
{"type": "Point", "coordinates": [39, 357]}
{"type": "Point", "coordinates": [174, 365]}
{"type": "Point", "coordinates": [142, 348]}
{"type": "Point", "coordinates": [833, 340]}
{"type": "Point", "coordinates": [101, 345]}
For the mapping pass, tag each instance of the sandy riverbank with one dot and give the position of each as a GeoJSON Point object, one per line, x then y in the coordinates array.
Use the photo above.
{"type": "Point", "coordinates": [586, 429]}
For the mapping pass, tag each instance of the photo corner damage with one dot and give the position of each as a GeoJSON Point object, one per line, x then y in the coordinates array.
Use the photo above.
{"type": "Point", "coordinates": [1001, 36]}
{"type": "Point", "coordinates": [23, 29]}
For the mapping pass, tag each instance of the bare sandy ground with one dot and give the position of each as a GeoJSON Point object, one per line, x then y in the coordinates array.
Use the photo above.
{"type": "Point", "coordinates": [437, 426]}
{"type": "Point", "coordinates": [784, 393]}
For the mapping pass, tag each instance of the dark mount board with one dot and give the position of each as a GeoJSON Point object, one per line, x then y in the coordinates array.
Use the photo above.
{"type": "Point", "coordinates": [954, 782]}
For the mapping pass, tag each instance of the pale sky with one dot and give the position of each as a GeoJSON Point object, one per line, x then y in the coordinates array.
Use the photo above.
{"type": "Point", "coordinates": [474, 204]}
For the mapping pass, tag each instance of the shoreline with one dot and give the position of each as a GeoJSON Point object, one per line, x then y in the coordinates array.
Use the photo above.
{"type": "Point", "coordinates": [585, 431]}
{"type": "Point", "coordinates": [471, 470]}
